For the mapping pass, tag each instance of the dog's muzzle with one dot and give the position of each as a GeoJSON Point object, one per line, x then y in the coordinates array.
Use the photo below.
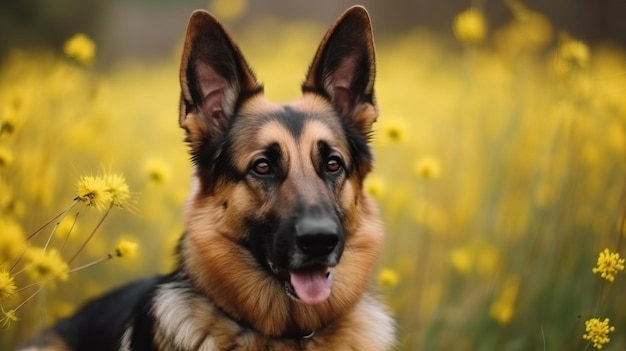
{"type": "Point", "coordinates": [317, 245]}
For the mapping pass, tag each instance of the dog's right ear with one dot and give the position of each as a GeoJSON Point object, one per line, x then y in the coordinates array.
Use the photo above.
{"type": "Point", "coordinates": [214, 80]}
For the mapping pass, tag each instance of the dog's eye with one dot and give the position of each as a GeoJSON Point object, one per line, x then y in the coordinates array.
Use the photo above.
{"type": "Point", "coordinates": [333, 164]}
{"type": "Point", "coordinates": [261, 167]}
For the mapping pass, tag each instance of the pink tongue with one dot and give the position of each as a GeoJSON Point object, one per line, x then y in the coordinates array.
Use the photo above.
{"type": "Point", "coordinates": [312, 287]}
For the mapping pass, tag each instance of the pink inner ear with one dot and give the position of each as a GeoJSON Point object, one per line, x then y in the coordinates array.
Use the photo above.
{"type": "Point", "coordinates": [341, 80]}
{"type": "Point", "coordinates": [343, 101]}
{"type": "Point", "coordinates": [212, 87]}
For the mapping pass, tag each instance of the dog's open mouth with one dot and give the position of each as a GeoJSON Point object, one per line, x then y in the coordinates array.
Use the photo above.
{"type": "Point", "coordinates": [310, 286]}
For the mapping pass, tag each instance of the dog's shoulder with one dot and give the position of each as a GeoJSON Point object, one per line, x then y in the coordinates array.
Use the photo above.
{"type": "Point", "coordinates": [100, 324]}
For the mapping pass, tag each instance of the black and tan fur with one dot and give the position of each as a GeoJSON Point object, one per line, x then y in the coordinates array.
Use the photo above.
{"type": "Point", "coordinates": [277, 194]}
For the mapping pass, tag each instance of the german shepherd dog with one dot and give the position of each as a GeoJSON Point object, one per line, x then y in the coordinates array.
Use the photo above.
{"type": "Point", "coordinates": [280, 237]}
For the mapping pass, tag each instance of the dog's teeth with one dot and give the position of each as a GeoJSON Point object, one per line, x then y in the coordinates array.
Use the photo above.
{"type": "Point", "coordinates": [291, 292]}
{"type": "Point", "coordinates": [329, 276]}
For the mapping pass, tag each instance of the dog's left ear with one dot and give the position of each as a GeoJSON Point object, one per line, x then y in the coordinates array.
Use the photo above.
{"type": "Point", "coordinates": [344, 69]}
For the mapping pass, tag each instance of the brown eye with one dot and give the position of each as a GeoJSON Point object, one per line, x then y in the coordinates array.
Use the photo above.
{"type": "Point", "coordinates": [261, 167]}
{"type": "Point", "coordinates": [333, 164]}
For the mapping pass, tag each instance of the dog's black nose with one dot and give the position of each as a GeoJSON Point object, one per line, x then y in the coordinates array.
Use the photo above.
{"type": "Point", "coordinates": [317, 236]}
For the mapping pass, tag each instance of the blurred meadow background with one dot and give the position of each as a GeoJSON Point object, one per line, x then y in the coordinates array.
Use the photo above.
{"type": "Point", "coordinates": [500, 151]}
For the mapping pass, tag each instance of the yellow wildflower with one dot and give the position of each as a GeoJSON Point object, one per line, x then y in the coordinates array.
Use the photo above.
{"type": "Point", "coordinates": [427, 168]}
{"type": "Point", "coordinates": [229, 9]}
{"type": "Point", "coordinates": [81, 48]}
{"type": "Point", "coordinates": [529, 29]}
{"type": "Point", "coordinates": [470, 26]}
{"type": "Point", "coordinates": [571, 56]}
{"type": "Point", "coordinates": [157, 169]}
{"type": "Point", "coordinates": [503, 308]}
{"type": "Point", "coordinates": [117, 187]}
{"type": "Point", "coordinates": [462, 259]}
{"type": "Point", "coordinates": [9, 316]}
{"type": "Point", "coordinates": [575, 52]}
{"type": "Point", "coordinates": [597, 332]}
{"type": "Point", "coordinates": [375, 186]}
{"type": "Point", "coordinates": [502, 311]}
{"type": "Point", "coordinates": [8, 120]}
{"type": "Point", "coordinates": [93, 191]}
{"type": "Point", "coordinates": [12, 240]}
{"type": "Point", "coordinates": [393, 131]}
{"type": "Point", "coordinates": [6, 156]}
{"type": "Point", "coordinates": [608, 265]}
{"type": "Point", "coordinates": [126, 248]}
{"type": "Point", "coordinates": [7, 285]}
{"type": "Point", "coordinates": [45, 265]}
{"type": "Point", "coordinates": [387, 278]}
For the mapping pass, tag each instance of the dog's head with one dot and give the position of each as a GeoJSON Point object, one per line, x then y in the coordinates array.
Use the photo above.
{"type": "Point", "coordinates": [278, 230]}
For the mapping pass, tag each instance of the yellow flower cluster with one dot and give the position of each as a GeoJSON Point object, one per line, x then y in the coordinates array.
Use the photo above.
{"type": "Point", "coordinates": [126, 248]}
{"type": "Point", "coordinates": [388, 278]}
{"type": "Point", "coordinates": [103, 191]}
{"type": "Point", "coordinates": [31, 179]}
{"type": "Point", "coordinates": [117, 187]}
{"type": "Point", "coordinates": [7, 285]}
{"type": "Point", "coordinates": [81, 48]}
{"type": "Point", "coordinates": [470, 26]}
{"type": "Point", "coordinates": [93, 192]}
{"type": "Point", "coordinates": [597, 332]}
{"type": "Point", "coordinates": [609, 264]}
{"type": "Point", "coordinates": [46, 265]}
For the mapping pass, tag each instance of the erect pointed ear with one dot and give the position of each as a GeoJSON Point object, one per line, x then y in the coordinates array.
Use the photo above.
{"type": "Point", "coordinates": [214, 80]}
{"type": "Point", "coordinates": [344, 69]}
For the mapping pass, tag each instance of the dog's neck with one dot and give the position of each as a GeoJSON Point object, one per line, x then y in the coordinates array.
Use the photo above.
{"type": "Point", "coordinates": [185, 319]}
{"type": "Point", "coordinates": [291, 333]}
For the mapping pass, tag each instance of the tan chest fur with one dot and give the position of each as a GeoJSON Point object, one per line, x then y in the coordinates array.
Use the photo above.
{"type": "Point", "coordinates": [193, 323]}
